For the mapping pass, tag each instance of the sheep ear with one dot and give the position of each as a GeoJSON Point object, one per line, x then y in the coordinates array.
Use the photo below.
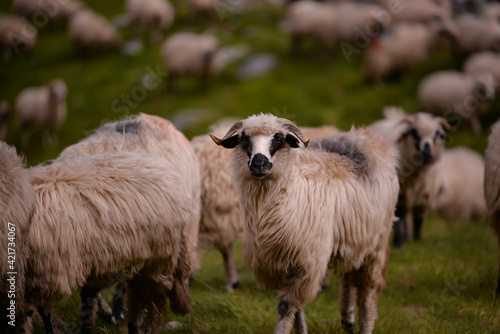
{"type": "Point", "coordinates": [230, 142]}
{"type": "Point", "coordinates": [292, 141]}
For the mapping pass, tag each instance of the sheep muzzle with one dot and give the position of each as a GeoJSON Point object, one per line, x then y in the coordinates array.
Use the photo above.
{"type": "Point", "coordinates": [260, 166]}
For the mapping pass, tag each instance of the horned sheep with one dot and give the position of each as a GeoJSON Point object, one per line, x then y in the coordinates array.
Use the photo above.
{"type": "Point", "coordinates": [419, 139]}
{"type": "Point", "coordinates": [151, 15]}
{"type": "Point", "coordinates": [104, 217]}
{"type": "Point", "coordinates": [45, 106]}
{"type": "Point", "coordinates": [492, 182]}
{"type": "Point", "coordinates": [17, 204]}
{"type": "Point", "coordinates": [456, 96]}
{"type": "Point", "coordinates": [307, 210]}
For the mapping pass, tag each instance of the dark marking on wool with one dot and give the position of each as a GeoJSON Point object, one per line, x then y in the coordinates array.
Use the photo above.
{"type": "Point", "coordinates": [127, 126]}
{"type": "Point", "coordinates": [283, 308]}
{"type": "Point", "coordinates": [246, 143]}
{"type": "Point", "coordinates": [276, 142]}
{"type": "Point", "coordinates": [344, 147]}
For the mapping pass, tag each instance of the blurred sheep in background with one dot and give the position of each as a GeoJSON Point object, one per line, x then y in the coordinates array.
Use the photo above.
{"type": "Point", "coordinates": [47, 10]}
{"type": "Point", "coordinates": [483, 64]}
{"type": "Point", "coordinates": [91, 31]}
{"type": "Point", "coordinates": [44, 106]}
{"type": "Point", "coordinates": [477, 34]}
{"type": "Point", "coordinates": [16, 34]}
{"type": "Point", "coordinates": [4, 118]}
{"type": "Point", "coordinates": [153, 16]}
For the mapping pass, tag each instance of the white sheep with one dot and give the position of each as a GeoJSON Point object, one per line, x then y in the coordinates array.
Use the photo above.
{"type": "Point", "coordinates": [477, 34]}
{"type": "Point", "coordinates": [188, 53]}
{"type": "Point", "coordinates": [91, 31]}
{"type": "Point", "coordinates": [492, 182]}
{"type": "Point", "coordinates": [459, 185]}
{"type": "Point", "coordinates": [105, 217]}
{"type": "Point", "coordinates": [419, 140]}
{"type": "Point", "coordinates": [330, 206]}
{"type": "Point", "coordinates": [16, 34]}
{"type": "Point", "coordinates": [4, 118]}
{"type": "Point", "coordinates": [17, 204]}
{"type": "Point", "coordinates": [46, 10]}
{"type": "Point", "coordinates": [332, 23]}
{"type": "Point", "coordinates": [483, 64]}
{"type": "Point", "coordinates": [402, 46]}
{"type": "Point", "coordinates": [45, 106]}
{"type": "Point", "coordinates": [422, 11]}
{"type": "Point", "coordinates": [152, 15]}
{"type": "Point", "coordinates": [456, 96]}
{"type": "Point", "coordinates": [153, 134]}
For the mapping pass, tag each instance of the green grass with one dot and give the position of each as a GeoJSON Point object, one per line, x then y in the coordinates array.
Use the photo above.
{"type": "Point", "coordinates": [443, 284]}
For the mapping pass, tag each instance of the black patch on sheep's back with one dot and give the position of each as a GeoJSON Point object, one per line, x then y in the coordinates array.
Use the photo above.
{"type": "Point", "coordinates": [127, 126]}
{"type": "Point", "coordinates": [344, 147]}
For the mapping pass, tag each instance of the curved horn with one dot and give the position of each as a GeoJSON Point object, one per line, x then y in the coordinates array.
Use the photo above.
{"type": "Point", "coordinates": [287, 124]}
{"type": "Point", "coordinates": [236, 126]}
{"type": "Point", "coordinates": [445, 124]}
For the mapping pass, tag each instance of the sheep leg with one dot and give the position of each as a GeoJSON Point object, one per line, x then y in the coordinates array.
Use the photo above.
{"type": "Point", "coordinates": [136, 305]}
{"type": "Point", "coordinates": [418, 220]}
{"type": "Point", "coordinates": [88, 309]}
{"type": "Point", "coordinates": [326, 280]}
{"type": "Point", "coordinates": [104, 310]}
{"type": "Point", "coordinates": [286, 317]}
{"type": "Point", "coordinates": [156, 308]}
{"type": "Point", "coordinates": [48, 322]}
{"type": "Point", "coordinates": [496, 222]}
{"type": "Point", "coordinates": [232, 280]}
{"type": "Point", "coordinates": [347, 293]}
{"type": "Point", "coordinates": [299, 324]}
{"type": "Point", "coordinates": [27, 326]}
{"type": "Point", "coordinates": [119, 308]}
{"type": "Point", "coordinates": [367, 311]}
{"type": "Point", "coordinates": [400, 225]}
{"type": "Point", "coordinates": [476, 124]}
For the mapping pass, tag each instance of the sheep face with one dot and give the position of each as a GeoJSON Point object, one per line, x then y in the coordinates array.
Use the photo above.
{"type": "Point", "coordinates": [261, 138]}
{"type": "Point", "coordinates": [424, 136]}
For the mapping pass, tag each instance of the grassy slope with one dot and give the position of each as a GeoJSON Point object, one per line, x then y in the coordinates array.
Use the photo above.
{"type": "Point", "coordinates": [443, 284]}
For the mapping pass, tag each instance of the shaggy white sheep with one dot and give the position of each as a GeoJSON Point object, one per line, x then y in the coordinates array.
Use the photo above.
{"type": "Point", "coordinates": [456, 96]}
{"type": "Point", "coordinates": [483, 64]}
{"type": "Point", "coordinates": [492, 182]}
{"type": "Point", "coordinates": [459, 185]}
{"type": "Point", "coordinates": [107, 216]}
{"type": "Point", "coordinates": [91, 31]}
{"type": "Point", "coordinates": [4, 118]}
{"type": "Point", "coordinates": [16, 34]}
{"type": "Point", "coordinates": [402, 46]}
{"type": "Point", "coordinates": [44, 105]}
{"type": "Point", "coordinates": [153, 134]}
{"type": "Point", "coordinates": [477, 34]}
{"type": "Point", "coordinates": [308, 210]}
{"type": "Point", "coordinates": [17, 204]}
{"type": "Point", "coordinates": [152, 15]}
{"type": "Point", "coordinates": [419, 140]}
{"type": "Point", "coordinates": [40, 11]}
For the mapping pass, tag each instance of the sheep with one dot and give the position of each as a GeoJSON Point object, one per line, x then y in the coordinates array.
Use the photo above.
{"type": "Point", "coordinates": [4, 118]}
{"type": "Point", "coordinates": [203, 7]}
{"type": "Point", "coordinates": [419, 139]}
{"type": "Point", "coordinates": [477, 34]}
{"type": "Point", "coordinates": [46, 10]}
{"type": "Point", "coordinates": [17, 204]}
{"type": "Point", "coordinates": [422, 11]}
{"type": "Point", "coordinates": [404, 45]}
{"type": "Point", "coordinates": [187, 53]}
{"type": "Point", "coordinates": [492, 182]}
{"type": "Point", "coordinates": [304, 211]}
{"type": "Point", "coordinates": [484, 63]}
{"type": "Point", "coordinates": [152, 15]}
{"type": "Point", "coordinates": [44, 105]}
{"type": "Point", "coordinates": [91, 31]}
{"type": "Point", "coordinates": [460, 194]}
{"type": "Point", "coordinates": [332, 23]}
{"type": "Point", "coordinates": [107, 216]}
{"type": "Point", "coordinates": [16, 34]}
{"type": "Point", "coordinates": [456, 96]}
{"type": "Point", "coordinates": [153, 134]}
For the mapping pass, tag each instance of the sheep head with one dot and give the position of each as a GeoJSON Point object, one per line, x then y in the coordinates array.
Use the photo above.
{"type": "Point", "coordinates": [261, 137]}
{"type": "Point", "coordinates": [424, 136]}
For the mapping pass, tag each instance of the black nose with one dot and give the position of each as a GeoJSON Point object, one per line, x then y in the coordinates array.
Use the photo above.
{"type": "Point", "coordinates": [426, 154]}
{"type": "Point", "coordinates": [260, 166]}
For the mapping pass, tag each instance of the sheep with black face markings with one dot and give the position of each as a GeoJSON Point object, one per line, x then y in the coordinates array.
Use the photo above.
{"type": "Point", "coordinates": [419, 140]}
{"type": "Point", "coordinates": [108, 215]}
{"type": "Point", "coordinates": [305, 211]}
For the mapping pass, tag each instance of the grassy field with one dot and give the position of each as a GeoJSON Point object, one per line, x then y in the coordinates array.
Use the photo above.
{"type": "Point", "coordinates": [443, 284]}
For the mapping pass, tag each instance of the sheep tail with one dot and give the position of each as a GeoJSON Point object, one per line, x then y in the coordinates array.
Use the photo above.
{"type": "Point", "coordinates": [180, 300]}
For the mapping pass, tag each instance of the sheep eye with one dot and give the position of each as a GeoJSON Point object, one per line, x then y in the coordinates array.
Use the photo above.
{"type": "Point", "coordinates": [246, 143]}
{"type": "Point", "coordinates": [441, 135]}
{"type": "Point", "coordinates": [276, 143]}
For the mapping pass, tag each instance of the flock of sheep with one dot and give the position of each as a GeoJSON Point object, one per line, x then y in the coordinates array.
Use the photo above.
{"type": "Point", "coordinates": [137, 204]}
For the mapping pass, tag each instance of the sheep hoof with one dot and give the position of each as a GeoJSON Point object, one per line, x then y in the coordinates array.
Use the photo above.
{"type": "Point", "coordinates": [229, 289]}
{"type": "Point", "coordinates": [236, 285]}
{"type": "Point", "coordinates": [348, 326]}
